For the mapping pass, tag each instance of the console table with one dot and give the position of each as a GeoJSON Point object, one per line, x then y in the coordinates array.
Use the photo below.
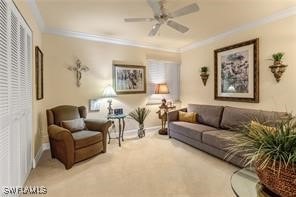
{"type": "Point", "coordinates": [121, 127]}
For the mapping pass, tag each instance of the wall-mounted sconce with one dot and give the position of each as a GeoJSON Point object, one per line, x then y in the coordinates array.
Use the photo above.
{"type": "Point", "coordinates": [204, 74]}
{"type": "Point", "coordinates": [278, 68]}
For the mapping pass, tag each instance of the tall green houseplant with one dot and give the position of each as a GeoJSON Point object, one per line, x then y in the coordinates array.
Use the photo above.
{"type": "Point", "coordinates": [139, 115]}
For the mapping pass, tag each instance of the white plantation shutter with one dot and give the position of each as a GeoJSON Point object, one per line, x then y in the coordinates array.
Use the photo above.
{"type": "Point", "coordinates": [160, 71]}
{"type": "Point", "coordinates": [4, 95]}
{"type": "Point", "coordinates": [29, 101]}
{"type": "Point", "coordinates": [15, 96]}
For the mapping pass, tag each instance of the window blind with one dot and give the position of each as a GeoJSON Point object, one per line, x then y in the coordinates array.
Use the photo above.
{"type": "Point", "coordinates": [160, 71]}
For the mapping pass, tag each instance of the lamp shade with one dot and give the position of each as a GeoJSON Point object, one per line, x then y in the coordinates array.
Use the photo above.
{"type": "Point", "coordinates": [161, 89]}
{"type": "Point", "coordinates": [109, 92]}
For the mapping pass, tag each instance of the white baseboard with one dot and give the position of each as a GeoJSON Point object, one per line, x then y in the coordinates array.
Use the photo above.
{"type": "Point", "coordinates": [43, 147]}
{"type": "Point", "coordinates": [128, 134]}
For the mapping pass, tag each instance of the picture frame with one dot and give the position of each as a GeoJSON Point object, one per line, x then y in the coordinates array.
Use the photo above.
{"type": "Point", "coordinates": [94, 105]}
{"type": "Point", "coordinates": [39, 73]}
{"type": "Point", "coordinates": [237, 72]}
{"type": "Point", "coordinates": [129, 79]}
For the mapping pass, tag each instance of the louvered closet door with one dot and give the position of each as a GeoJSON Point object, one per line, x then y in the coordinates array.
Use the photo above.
{"type": "Point", "coordinates": [15, 96]}
{"type": "Point", "coordinates": [21, 91]}
{"type": "Point", "coordinates": [4, 95]}
{"type": "Point", "coordinates": [14, 102]}
{"type": "Point", "coordinates": [29, 101]}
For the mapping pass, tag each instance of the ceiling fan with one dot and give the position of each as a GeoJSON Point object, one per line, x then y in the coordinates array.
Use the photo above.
{"type": "Point", "coordinates": [162, 16]}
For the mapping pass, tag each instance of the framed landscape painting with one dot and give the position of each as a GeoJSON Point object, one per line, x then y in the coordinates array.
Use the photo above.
{"type": "Point", "coordinates": [129, 79]}
{"type": "Point", "coordinates": [237, 72]}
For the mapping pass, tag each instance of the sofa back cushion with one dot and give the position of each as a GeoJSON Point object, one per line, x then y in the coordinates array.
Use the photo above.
{"type": "Point", "coordinates": [65, 112]}
{"type": "Point", "coordinates": [207, 114]}
{"type": "Point", "coordinates": [234, 118]}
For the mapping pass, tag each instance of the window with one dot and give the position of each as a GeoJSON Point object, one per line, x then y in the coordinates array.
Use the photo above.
{"type": "Point", "coordinates": [160, 71]}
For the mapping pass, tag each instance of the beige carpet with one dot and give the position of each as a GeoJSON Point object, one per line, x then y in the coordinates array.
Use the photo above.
{"type": "Point", "coordinates": [154, 166]}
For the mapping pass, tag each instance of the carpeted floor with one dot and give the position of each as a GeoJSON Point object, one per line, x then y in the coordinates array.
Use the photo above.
{"type": "Point", "coordinates": [154, 166]}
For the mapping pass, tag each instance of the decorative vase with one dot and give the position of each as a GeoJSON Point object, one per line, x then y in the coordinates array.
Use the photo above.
{"type": "Point", "coordinates": [282, 183]}
{"type": "Point", "coordinates": [141, 131]}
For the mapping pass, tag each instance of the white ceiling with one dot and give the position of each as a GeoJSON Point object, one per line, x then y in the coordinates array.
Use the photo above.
{"type": "Point", "coordinates": [105, 18]}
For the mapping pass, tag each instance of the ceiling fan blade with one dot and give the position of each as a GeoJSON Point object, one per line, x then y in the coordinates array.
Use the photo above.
{"type": "Point", "coordinates": [139, 19]}
{"type": "Point", "coordinates": [154, 29]}
{"type": "Point", "coordinates": [177, 26]}
{"type": "Point", "coordinates": [185, 10]}
{"type": "Point", "coordinates": [155, 6]}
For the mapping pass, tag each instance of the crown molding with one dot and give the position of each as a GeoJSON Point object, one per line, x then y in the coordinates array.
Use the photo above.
{"type": "Point", "coordinates": [98, 38]}
{"type": "Point", "coordinates": [36, 13]}
{"type": "Point", "coordinates": [106, 39]}
{"type": "Point", "coordinates": [277, 16]}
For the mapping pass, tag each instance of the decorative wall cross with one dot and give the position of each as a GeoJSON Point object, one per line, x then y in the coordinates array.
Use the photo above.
{"type": "Point", "coordinates": [78, 69]}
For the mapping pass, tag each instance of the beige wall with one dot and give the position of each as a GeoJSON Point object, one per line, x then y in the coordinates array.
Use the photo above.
{"type": "Point", "coordinates": [279, 36]}
{"type": "Point", "coordinates": [60, 85]}
{"type": "Point", "coordinates": [37, 41]}
{"type": "Point", "coordinates": [61, 52]}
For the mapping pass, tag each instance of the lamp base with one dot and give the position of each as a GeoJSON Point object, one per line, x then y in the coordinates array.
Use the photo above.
{"type": "Point", "coordinates": [110, 110]}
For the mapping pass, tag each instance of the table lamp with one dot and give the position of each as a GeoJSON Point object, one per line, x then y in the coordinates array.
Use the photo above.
{"type": "Point", "coordinates": [109, 93]}
{"type": "Point", "coordinates": [162, 89]}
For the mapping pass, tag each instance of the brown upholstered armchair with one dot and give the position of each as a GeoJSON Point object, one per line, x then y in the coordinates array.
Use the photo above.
{"type": "Point", "coordinates": [72, 137]}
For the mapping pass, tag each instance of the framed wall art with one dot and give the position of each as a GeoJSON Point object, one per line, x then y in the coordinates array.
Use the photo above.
{"type": "Point", "coordinates": [237, 72]}
{"type": "Point", "coordinates": [39, 73]}
{"type": "Point", "coordinates": [129, 79]}
{"type": "Point", "coordinates": [94, 105]}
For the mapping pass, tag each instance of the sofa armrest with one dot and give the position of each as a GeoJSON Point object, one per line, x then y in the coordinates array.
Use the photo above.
{"type": "Point", "coordinates": [62, 143]}
{"type": "Point", "coordinates": [97, 124]}
{"type": "Point", "coordinates": [100, 126]}
{"type": "Point", "coordinates": [59, 133]}
{"type": "Point", "coordinates": [174, 115]}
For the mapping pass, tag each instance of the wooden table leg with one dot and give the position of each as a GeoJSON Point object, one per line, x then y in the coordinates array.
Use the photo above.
{"type": "Point", "coordinates": [123, 127]}
{"type": "Point", "coordinates": [119, 128]}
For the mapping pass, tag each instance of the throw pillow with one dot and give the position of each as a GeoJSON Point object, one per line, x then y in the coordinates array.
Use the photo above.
{"type": "Point", "coordinates": [74, 125]}
{"type": "Point", "coordinates": [188, 116]}
{"type": "Point", "coordinates": [256, 125]}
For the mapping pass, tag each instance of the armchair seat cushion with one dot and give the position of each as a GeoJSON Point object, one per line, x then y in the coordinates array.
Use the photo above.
{"type": "Point", "coordinates": [86, 138]}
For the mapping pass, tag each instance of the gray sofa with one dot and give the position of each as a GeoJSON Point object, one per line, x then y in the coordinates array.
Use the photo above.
{"type": "Point", "coordinates": [213, 125]}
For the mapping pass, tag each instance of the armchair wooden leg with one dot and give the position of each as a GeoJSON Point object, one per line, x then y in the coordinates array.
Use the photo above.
{"type": "Point", "coordinates": [68, 166]}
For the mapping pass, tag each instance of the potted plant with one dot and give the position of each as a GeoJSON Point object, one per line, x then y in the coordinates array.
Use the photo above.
{"type": "Point", "coordinates": [271, 150]}
{"type": "Point", "coordinates": [204, 74]}
{"type": "Point", "coordinates": [139, 115]}
{"type": "Point", "coordinates": [277, 57]}
{"type": "Point", "coordinates": [277, 68]}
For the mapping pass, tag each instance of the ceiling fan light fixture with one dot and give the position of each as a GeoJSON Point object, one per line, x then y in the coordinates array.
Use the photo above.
{"type": "Point", "coordinates": [162, 16]}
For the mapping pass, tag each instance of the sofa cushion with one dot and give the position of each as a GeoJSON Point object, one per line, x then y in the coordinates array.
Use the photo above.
{"type": "Point", "coordinates": [85, 138]}
{"type": "Point", "coordinates": [207, 114]}
{"type": "Point", "coordinates": [74, 125]}
{"type": "Point", "coordinates": [234, 118]}
{"type": "Point", "coordinates": [191, 130]}
{"type": "Point", "coordinates": [187, 116]}
{"type": "Point", "coordinates": [220, 139]}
